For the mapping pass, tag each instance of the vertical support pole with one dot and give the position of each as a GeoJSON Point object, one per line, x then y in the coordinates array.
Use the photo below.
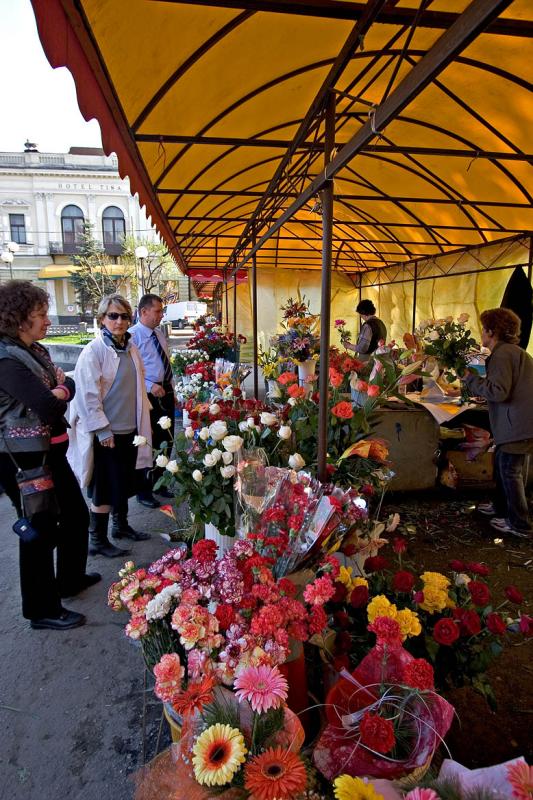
{"type": "Point", "coordinates": [226, 296]}
{"type": "Point", "coordinates": [360, 286]}
{"type": "Point", "coordinates": [415, 284]}
{"type": "Point", "coordinates": [530, 262]}
{"type": "Point", "coordinates": [325, 307]}
{"type": "Point", "coordinates": [254, 321]}
{"type": "Point", "coordinates": [235, 309]}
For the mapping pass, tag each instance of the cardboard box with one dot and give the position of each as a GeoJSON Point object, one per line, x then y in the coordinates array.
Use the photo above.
{"type": "Point", "coordinates": [472, 473]}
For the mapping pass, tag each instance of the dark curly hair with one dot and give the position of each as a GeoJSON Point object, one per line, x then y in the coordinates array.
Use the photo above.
{"type": "Point", "coordinates": [17, 301]}
{"type": "Point", "coordinates": [503, 323]}
{"type": "Point", "coordinates": [366, 307]}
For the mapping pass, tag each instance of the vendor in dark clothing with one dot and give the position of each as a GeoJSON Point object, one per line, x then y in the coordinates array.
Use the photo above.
{"type": "Point", "coordinates": [33, 400]}
{"type": "Point", "coordinates": [508, 388]}
{"type": "Point", "coordinates": [372, 331]}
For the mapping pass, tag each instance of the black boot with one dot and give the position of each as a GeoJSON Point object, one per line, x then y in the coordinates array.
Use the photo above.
{"type": "Point", "coordinates": [99, 544]}
{"type": "Point", "coordinates": [121, 529]}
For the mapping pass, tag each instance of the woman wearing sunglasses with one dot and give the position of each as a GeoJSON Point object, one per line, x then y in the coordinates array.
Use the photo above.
{"type": "Point", "coordinates": [111, 407]}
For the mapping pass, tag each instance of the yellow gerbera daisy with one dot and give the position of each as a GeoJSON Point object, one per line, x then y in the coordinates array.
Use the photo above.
{"type": "Point", "coordinates": [218, 754]}
{"type": "Point", "coordinates": [347, 788]}
{"type": "Point", "coordinates": [380, 606]}
{"type": "Point", "coordinates": [434, 599]}
{"type": "Point", "coordinates": [436, 579]}
{"type": "Point", "coordinates": [408, 622]}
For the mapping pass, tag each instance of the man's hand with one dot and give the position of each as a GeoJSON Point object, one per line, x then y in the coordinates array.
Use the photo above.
{"type": "Point", "coordinates": [157, 390]}
{"type": "Point", "coordinates": [109, 442]}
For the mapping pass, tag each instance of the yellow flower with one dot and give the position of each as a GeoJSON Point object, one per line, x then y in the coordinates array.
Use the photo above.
{"type": "Point", "coordinates": [218, 754]}
{"type": "Point", "coordinates": [379, 606]}
{"type": "Point", "coordinates": [347, 788]}
{"type": "Point", "coordinates": [408, 622]}
{"type": "Point", "coordinates": [436, 579]}
{"type": "Point", "coordinates": [359, 582]}
{"type": "Point", "coordinates": [345, 576]}
{"type": "Point", "coordinates": [434, 599]}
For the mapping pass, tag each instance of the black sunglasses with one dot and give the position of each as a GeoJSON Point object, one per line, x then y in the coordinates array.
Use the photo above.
{"type": "Point", "coordinates": [114, 315]}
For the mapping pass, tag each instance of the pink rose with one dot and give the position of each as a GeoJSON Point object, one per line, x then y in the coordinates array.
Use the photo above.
{"type": "Point", "coordinates": [373, 390]}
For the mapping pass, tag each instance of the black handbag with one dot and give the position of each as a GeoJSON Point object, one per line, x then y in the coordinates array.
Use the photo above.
{"type": "Point", "coordinates": [36, 486]}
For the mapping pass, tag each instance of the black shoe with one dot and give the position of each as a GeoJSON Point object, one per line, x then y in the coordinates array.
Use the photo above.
{"type": "Point", "coordinates": [66, 620]}
{"type": "Point", "coordinates": [88, 580]}
{"type": "Point", "coordinates": [148, 500]}
{"type": "Point", "coordinates": [165, 493]}
{"type": "Point", "coordinates": [105, 548]}
{"type": "Point", "coordinates": [127, 532]}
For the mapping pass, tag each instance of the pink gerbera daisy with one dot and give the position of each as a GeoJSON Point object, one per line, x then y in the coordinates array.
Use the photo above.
{"type": "Point", "coordinates": [520, 776]}
{"type": "Point", "coordinates": [421, 794]}
{"type": "Point", "coordinates": [264, 687]}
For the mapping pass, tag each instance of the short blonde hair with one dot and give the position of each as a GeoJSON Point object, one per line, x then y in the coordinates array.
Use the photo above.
{"type": "Point", "coordinates": [108, 300]}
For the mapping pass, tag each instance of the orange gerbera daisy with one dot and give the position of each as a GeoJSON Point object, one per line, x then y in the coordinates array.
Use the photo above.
{"type": "Point", "coordinates": [195, 696]}
{"type": "Point", "coordinates": [276, 774]}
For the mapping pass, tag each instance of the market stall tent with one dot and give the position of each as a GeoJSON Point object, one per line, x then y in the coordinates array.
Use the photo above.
{"type": "Point", "coordinates": [217, 113]}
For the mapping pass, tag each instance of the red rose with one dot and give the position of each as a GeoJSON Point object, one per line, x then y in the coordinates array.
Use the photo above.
{"type": "Point", "coordinates": [479, 592]}
{"type": "Point", "coordinates": [377, 733]}
{"type": "Point", "coordinates": [343, 410]}
{"type": "Point", "coordinates": [418, 673]}
{"type": "Point", "coordinates": [446, 631]}
{"type": "Point", "coordinates": [375, 564]}
{"type": "Point", "coordinates": [514, 595]}
{"type": "Point", "coordinates": [457, 566]}
{"type": "Point", "coordinates": [478, 569]}
{"type": "Point", "coordinates": [236, 392]}
{"type": "Point", "coordinates": [495, 624]}
{"type": "Point", "coordinates": [399, 544]}
{"type": "Point", "coordinates": [348, 549]}
{"type": "Point", "coordinates": [470, 623]}
{"type": "Point", "coordinates": [342, 619]}
{"type": "Point", "coordinates": [359, 596]}
{"type": "Point", "coordinates": [526, 625]}
{"type": "Point", "coordinates": [403, 581]}
{"type": "Point", "coordinates": [341, 662]}
{"type": "Point", "coordinates": [367, 490]}
{"type": "Point", "coordinates": [340, 592]}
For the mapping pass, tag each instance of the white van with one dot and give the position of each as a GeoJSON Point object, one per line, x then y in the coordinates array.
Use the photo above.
{"type": "Point", "coordinates": [182, 315]}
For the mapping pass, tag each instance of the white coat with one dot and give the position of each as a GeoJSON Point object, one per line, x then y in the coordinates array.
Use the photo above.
{"type": "Point", "coordinates": [94, 374]}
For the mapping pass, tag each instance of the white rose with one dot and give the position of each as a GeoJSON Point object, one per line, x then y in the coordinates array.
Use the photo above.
{"type": "Point", "coordinates": [267, 418]}
{"type": "Point", "coordinates": [189, 432]}
{"type": "Point", "coordinates": [251, 423]}
{"type": "Point", "coordinates": [204, 434]}
{"type": "Point", "coordinates": [285, 432]}
{"type": "Point", "coordinates": [197, 476]}
{"type": "Point", "coordinates": [433, 335]}
{"type": "Point", "coordinates": [462, 580]}
{"type": "Point", "coordinates": [216, 453]}
{"type": "Point", "coordinates": [296, 461]}
{"type": "Point", "coordinates": [164, 422]}
{"type": "Point", "coordinates": [227, 472]}
{"type": "Point", "coordinates": [232, 443]}
{"type": "Point", "coordinates": [209, 460]}
{"type": "Point", "coordinates": [227, 458]}
{"type": "Point", "coordinates": [217, 430]}
{"type": "Point", "coordinates": [139, 441]}
{"type": "Point", "coordinates": [214, 409]}
{"type": "Point", "coordinates": [161, 461]}
{"type": "Point", "coordinates": [172, 467]}
{"type": "Point", "coordinates": [243, 426]}
{"type": "Point", "coordinates": [292, 401]}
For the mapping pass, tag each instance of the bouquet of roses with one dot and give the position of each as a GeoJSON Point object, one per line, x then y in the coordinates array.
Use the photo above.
{"type": "Point", "coordinates": [450, 342]}
{"type": "Point", "coordinates": [181, 359]}
{"type": "Point", "coordinates": [214, 340]}
{"type": "Point", "coordinates": [299, 341]}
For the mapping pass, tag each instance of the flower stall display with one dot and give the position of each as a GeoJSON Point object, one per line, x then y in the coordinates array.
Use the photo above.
{"type": "Point", "coordinates": [384, 720]}
{"type": "Point", "coordinates": [299, 341]}
{"type": "Point", "coordinates": [450, 343]}
{"type": "Point", "coordinates": [215, 340]}
{"type": "Point", "coordinates": [181, 359]}
{"type": "Point", "coordinates": [271, 363]}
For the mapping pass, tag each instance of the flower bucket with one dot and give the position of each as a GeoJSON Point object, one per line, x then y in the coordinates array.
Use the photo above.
{"type": "Point", "coordinates": [294, 671]}
{"type": "Point", "coordinates": [273, 388]}
{"type": "Point", "coordinates": [174, 722]}
{"type": "Point", "coordinates": [305, 370]}
{"type": "Point", "coordinates": [186, 419]}
{"type": "Point", "coordinates": [224, 543]}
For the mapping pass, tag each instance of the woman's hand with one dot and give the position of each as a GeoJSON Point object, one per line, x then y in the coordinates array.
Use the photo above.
{"type": "Point", "coordinates": [61, 392]}
{"type": "Point", "coordinates": [109, 442]}
{"type": "Point", "coordinates": [60, 375]}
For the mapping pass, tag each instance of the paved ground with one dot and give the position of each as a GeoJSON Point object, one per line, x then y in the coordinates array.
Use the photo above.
{"type": "Point", "coordinates": [71, 702]}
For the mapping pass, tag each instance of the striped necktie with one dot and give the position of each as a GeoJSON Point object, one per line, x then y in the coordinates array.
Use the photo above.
{"type": "Point", "coordinates": [167, 378]}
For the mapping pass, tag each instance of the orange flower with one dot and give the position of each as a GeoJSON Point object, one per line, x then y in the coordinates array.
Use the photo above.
{"type": "Point", "coordinates": [195, 696]}
{"type": "Point", "coordinates": [287, 377]}
{"type": "Point", "coordinates": [373, 390]}
{"type": "Point", "coordinates": [276, 774]}
{"type": "Point", "coordinates": [379, 450]}
{"type": "Point", "coordinates": [296, 391]}
{"type": "Point", "coordinates": [335, 378]}
{"type": "Point", "coordinates": [368, 448]}
{"type": "Point", "coordinates": [343, 410]}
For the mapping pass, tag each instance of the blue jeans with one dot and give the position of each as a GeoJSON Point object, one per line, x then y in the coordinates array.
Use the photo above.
{"type": "Point", "coordinates": [510, 501]}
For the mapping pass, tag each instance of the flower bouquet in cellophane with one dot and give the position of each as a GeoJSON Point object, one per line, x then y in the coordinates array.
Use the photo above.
{"type": "Point", "coordinates": [239, 744]}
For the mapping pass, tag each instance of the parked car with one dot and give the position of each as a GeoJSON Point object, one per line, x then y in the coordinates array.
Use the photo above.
{"type": "Point", "coordinates": [184, 314]}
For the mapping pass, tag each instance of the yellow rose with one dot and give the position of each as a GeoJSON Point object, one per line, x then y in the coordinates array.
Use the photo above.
{"type": "Point", "coordinates": [379, 606]}
{"type": "Point", "coordinates": [434, 599]}
{"type": "Point", "coordinates": [408, 622]}
{"type": "Point", "coordinates": [436, 579]}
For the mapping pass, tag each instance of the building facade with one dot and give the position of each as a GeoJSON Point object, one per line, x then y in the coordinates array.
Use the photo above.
{"type": "Point", "coordinates": [45, 199]}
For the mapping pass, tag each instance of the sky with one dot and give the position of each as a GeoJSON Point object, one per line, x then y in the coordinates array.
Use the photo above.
{"type": "Point", "coordinates": [38, 102]}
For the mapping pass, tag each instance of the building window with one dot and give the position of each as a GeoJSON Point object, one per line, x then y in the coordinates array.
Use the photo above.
{"type": "Point", "coordinates": [113, 225]}
{"type": "Point", "coordinates": [17, 226]}
{"type": "Point", "coordinates": [72, 220]}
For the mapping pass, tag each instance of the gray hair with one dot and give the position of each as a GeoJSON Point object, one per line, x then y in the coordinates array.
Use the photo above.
{"type": "Point", "coordinates": [108, 300]}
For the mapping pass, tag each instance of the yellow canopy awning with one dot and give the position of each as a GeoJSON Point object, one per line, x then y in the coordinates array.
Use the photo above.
{"type": "Point", "coordinates": [52, 271]}
{"type": "Point", "coordinates": [216, 112]}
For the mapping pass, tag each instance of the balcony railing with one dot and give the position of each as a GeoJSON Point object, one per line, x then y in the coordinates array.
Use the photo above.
{"type": "Point", "coordinates": [73, 248]}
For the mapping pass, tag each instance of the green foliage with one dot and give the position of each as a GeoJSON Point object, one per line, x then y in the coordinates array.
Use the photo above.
{"type": "Point", "coordinates": [95, 276]}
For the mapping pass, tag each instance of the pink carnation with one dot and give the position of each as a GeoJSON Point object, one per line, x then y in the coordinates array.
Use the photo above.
{"type": "Point", "coordinates": [137, 627]}
{"type": "Point", "coordinates": [168, 677]}
{"type": "Point", "coordinates": [320, 591]}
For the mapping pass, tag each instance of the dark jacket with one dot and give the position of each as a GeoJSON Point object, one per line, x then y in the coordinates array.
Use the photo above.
{"type": "Point", "coordinates": [29, 412]}
{"type": "Point", "coordinates": [508, 388]}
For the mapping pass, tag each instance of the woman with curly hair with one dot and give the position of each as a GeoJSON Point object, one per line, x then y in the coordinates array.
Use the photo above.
{"type": "Point", "coordinates": [111, 408]}
{"type": "Point", "coordinates": [33, 400]}
{"type": "Point", "coordinates": [508, 389]}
